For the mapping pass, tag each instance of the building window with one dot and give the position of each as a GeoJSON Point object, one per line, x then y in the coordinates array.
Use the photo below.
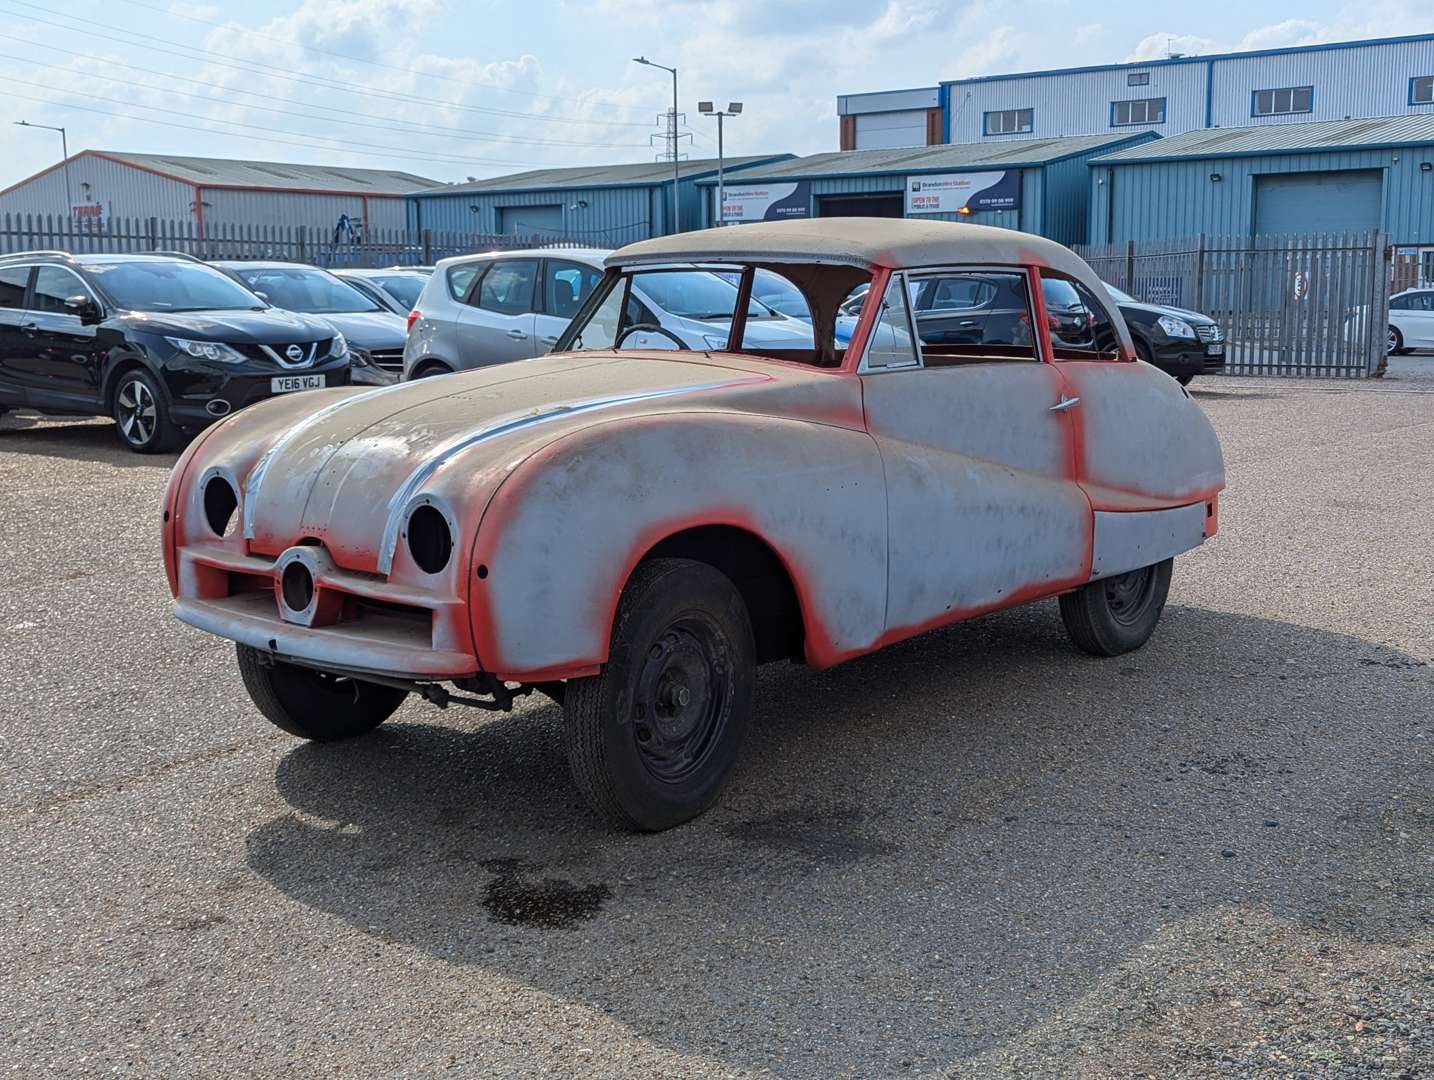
{"type": "Point", "coordinates": [1140, 111]}
{"type": "Point", "coordinates": [1421, 90]}
{"type": "Point", "coordinates": [1138, 78]}
{"type": "Point", "coordinates": [1009, 121]}
{"type": "Point", "coordinates": [1284, 102]}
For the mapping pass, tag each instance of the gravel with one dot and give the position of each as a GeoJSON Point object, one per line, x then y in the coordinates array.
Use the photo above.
{"type": "Point", "coordinates": [976, 854]}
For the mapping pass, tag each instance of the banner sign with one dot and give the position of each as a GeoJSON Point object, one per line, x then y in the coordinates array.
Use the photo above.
{"type": "Point", "coordinates": [767, 202]}
{"type": "Point", "coordinates": [89, 217]}
{"type": "Point", "coordinates": [951, 193]}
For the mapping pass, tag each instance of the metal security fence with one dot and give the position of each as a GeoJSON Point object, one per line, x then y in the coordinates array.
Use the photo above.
{"type": "Point", "coordinates": [345, 246]}
{"type": "Point", "coordinates": [1314, 305]}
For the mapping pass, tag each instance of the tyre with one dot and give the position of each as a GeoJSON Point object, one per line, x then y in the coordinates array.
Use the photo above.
{"type": "Point", "coordinates": [1394, 345]}
{"type": "Point", "coordinates": [652, 738]}
{"type": "Point", "coordinates": [311, 704]}
{"type": "Point", "coordinates": [141, 414]}
{"type": "Point", "coordinates": [1117, 614]}
{"type": "Point", "coordinates": [428, 371]}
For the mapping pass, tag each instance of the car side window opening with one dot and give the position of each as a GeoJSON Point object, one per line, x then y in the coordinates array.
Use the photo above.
{"type": "Point", "coordinates": [1080, 325]}
{"type": "Point", "coordinates": [507, 287]}
{"type": "Point", "coordinates": [460, 280]}
{"type": "Point", "coordinates": [973, 316]}
{"type": "Point", "coordinates": [566, 285]}
{"type": "Point", "coordinates": [13, 280]}
{"type": "Point", "coordinates": [891, 344]}
{"type": "Point", "coordinates": [602, 326]}
{"type": "Point", "coordinates": [53, 286]}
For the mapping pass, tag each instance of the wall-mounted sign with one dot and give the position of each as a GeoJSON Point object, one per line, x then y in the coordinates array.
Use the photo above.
{"type": "Point", "coordinates": [952, 193]}
{"type": "Point", "coordinates": [767, 202]}
{"type": "Point", "coordinates": [89, 217]}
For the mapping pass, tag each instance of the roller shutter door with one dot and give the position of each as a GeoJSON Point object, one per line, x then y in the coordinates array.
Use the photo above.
{"type": "Point", "coordinates": [530, 220]}
{"type": "Point", "coordinates": [1322, 202]}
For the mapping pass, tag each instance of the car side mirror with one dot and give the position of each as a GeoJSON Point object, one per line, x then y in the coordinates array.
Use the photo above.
{"type": "Point", "coordinates": [85, 307]}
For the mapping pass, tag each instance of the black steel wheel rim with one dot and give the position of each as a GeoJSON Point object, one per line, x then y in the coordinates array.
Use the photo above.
{"type": "Point", "coordinates": [137, 412]}
{"type": "Point", "coordinates": [681, 698]}
{"type": "Point", "coordinates": [1130, 596]}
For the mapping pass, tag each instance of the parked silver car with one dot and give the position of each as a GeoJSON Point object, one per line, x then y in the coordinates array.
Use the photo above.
{"type": "Point", "coordinates": [395, 289]}
{"type": "Point", "coordinates": [487, 309]}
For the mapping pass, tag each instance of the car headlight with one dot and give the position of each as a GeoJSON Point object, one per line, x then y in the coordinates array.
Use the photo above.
{"type": "Point", "coordinates": [1176, 327]}
{"type": "Point", "coordinates": [338, 348]}
{"type": "Point", "coordinates": [208, 350]}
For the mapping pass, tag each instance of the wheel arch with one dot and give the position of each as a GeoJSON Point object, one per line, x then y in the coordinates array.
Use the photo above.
{"type": "Point", "coordinates": [118, 365]}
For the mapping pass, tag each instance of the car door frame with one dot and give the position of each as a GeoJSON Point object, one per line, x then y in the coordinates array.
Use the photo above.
{"type": "Point", "coordinates": [69, 357]}
{"type": "Point", "coordinates": [545, 341]}
{"type": "Point", "coordinates": [986, 495]}
{"type": "Point", "coordinates": [16, 346]}
{"type": "Point", "coordinates": [507, 334]}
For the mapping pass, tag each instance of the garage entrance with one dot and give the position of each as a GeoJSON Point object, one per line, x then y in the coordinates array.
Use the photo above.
{"type": "Point", "coordinates": [1321, 202]}
{"type": "Point", "coordinates": [893, 206]}
{"type": "Point", "coordinates": [530, 220]}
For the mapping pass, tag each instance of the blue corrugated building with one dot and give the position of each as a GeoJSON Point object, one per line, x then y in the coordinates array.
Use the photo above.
{"type": "Point", "coordinates": [605, 206]}
{"type": "Point", "coordinates": [1337, 176]}
{"type": "Point", "coordinates": [1308, 83]}
{"type": "Point", "coordinates": [1038, 186]}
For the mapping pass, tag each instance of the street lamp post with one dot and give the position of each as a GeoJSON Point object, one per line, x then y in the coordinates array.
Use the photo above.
{"type": "Point", "coordinates": [676, 164]}
{"type": "Point", "coordinates": [65, 152]}
{"type": "Point", "coordinates": [734, 108]}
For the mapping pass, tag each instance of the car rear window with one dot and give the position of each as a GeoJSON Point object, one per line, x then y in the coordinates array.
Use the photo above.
{"type": "Point", "coordinates": [12, 286]}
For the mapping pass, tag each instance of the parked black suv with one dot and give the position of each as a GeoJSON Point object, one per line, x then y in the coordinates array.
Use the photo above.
{"type": "Point", "coordinates": [163, 343]}
{"type": "Point", "coordinates": [1180, 343]}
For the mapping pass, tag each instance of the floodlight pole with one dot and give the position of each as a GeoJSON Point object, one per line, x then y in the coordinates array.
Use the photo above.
{"type": "Point", "coordinates": [65, 165]}
{"type": "Point", "coordinates": [707, 108]}
{"type": "Point", "coordinates": [676, 163]}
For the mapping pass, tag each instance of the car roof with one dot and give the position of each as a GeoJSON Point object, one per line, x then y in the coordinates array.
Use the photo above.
{"type": "Point", "coordinates": [90, 259]}
{"type": "Point", "coordinates": [376, 271]}
{"type": "Point", "coordinates": [264, 264]}
{"type": "Point", "coordinates": [895, 243]}
{"type": "Point", "coordinates": [593, 256]}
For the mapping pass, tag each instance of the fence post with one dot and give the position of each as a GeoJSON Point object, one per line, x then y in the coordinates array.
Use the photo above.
{"type": "Point", "coordinates": [1130, 265]}
{"type": "Point", "coordinates": [303, 231]}
{"type": "Point", "coordinates": [1200, 274]}
{"type": "Point", "coordinates": [427, 247]}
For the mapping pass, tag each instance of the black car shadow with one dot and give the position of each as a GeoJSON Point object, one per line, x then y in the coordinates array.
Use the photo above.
{"type": "Point", "coordinates": [922, 853]}
{"type": "Point", "coordinates": [77, 439]}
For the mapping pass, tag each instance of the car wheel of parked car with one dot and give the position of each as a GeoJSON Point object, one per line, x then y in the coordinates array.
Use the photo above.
{"type": "Point", "coordinates": [651, 739]}
{"type": "Point", "coordinates": [1117, 614]}
{"type": "Point", "coordinates": [427, 371]}
{"type": "Point", "coordinates": [142, 414]}
{"type": "Point", "coordinates": [312, 704]}
{"type": "Point", "coordinates": [1395, 343]}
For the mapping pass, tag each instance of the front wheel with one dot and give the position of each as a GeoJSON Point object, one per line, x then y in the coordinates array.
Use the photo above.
{"type": "Point", "coordinates": [1117, 614]}
{"type": "Point", "coordinates": [1394, 343]}
{"type": "Point", "coordinates": [652, 738]}
{"type": "Point", "coordinates": [312, 704]}
{"type": "Point", "coordinates": [142, 414]}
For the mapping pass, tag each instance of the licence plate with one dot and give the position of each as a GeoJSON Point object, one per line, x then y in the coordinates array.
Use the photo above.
{"type": "Point", "coordinates": [1214, 350]}
{"type": "Point", "coordinates": [282, 384]}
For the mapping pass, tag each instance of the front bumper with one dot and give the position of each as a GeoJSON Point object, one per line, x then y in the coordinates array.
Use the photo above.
{"type": "Point", "coordinates": [380, 628]}
{"type": "Point", "coordinates": [1184, 357]}
{"type": "Point", "coordinates": [199, 394]}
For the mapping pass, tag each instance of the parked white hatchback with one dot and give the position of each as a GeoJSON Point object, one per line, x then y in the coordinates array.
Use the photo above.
{"type": "Point", "coordinates": [1411, 321]}
{"type": "Point", "coordinates": [478, 310]}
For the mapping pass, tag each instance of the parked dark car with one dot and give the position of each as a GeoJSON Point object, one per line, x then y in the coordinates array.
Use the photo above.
{"type": "Point", "coordinates": [1180, 343]}
{"type": "Point", "coordinates": [375, 334]}
{"type": "Point", "coordinates": [163, 343]}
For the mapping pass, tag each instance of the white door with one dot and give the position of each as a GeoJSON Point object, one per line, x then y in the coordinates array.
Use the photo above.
{"type": "Point", "coordinates": [1413, 314]}
{"type": "Point", "coordinates": [499, 315]}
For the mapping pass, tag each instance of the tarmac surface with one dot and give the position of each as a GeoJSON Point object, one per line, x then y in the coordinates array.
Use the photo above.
{"type": "Point", "coordinates": [977, 854]}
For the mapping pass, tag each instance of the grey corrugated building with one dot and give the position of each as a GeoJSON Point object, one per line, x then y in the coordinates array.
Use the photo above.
{"type": "Point", "coordinates": [212, 193]}
{"type": "Point", "coordinates": [1332, 177]}
{"type": "Point", "coordinates": [1037, 185]}
{"type": "Point", "coordinates": [602, 205]}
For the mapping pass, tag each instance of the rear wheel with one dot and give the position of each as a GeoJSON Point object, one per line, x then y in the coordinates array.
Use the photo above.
{"type": "Point", "coordinates": [1117, 614]}
{"type": "Point", "coordinates": [142, 414]}
{"type": "Point", "coordinates": [1394, 344]}
{"type": "Point", "coordinates": [653, 737]}
{"type": "Point", "coordinates": [312, 704]}
{"type": "Point", "coordinates": [427, 371]}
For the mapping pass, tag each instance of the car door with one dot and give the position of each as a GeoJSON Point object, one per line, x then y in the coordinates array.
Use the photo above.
{"type": "Point", "coordinates": [984, 507]}
{"type": "Point", "coordinates": [17, 346]}
{"type": "Point", "coordinates": [1416, 322]}
{"type": "Point", "coordinates": [566, 284]}
{"type": "Point", "coordinates": [498, 318]}
{"type": "Point", "coordinates": [68, 354]}
{"type": "Point", "coordinates": [951, 310]}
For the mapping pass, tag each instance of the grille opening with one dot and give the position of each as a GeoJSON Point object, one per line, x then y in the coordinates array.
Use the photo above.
{"type": "Point", "coordinates": [297, 586]}
{"type": "Point", "coordinates": [220, 504]}
{"type": "Point", "coordinates": [240, 582]}
{"type": "Point", "coordinates": [429, 540]}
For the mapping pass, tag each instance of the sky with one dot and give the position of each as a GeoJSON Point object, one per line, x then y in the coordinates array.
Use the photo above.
{"type": "Point", "coordinates": [452, 89]}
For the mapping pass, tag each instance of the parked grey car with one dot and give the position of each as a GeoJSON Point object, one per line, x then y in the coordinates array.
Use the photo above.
{"type": "Point", "coordinates": [395, 289]}
{"type": "Point", "coordinates": [488, 309]}
{"type": "Point", "coordinates": [375, 334]}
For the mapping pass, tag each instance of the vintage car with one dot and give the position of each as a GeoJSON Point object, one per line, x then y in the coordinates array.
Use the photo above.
{"type": "Point", "coordinates": [633, 531]}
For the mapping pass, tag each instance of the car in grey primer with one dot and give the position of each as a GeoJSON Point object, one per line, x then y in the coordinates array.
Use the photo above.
{"type": "Point", "coordinates": [395, 289]}
{"type": "Point", "coordinates": [375, 334]}
{"type": "Point", "coordinates": [478, 310]}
